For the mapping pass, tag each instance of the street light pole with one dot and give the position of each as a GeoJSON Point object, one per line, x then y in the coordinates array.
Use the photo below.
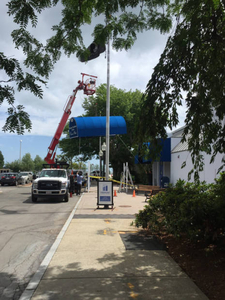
{"type": "Point", "coordinates": [104, 150]}
{"type": "Point", "coordinates": [20, 148]}
{"type": "Point", "coordinates": [107, 112]}
{"type": "Point", "coordinates": [100, 161]}
{"type": "Point", "coordinates": [100, 154]}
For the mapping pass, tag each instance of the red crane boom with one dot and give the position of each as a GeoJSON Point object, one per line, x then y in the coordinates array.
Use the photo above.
{"type": "Point", "coordinates": [89, 89]}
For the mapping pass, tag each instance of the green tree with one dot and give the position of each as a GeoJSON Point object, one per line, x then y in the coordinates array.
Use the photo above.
{"type": "Point", "coordinates": [191, 72]}
{"type": "Point", "coordinates": [14, 79]}
{"type": "Point", "coordinates": [15, 166]}
{"type": "Point", "coordinates": [190, 68]}
{"type": "Point", "coordinates": [38, 163]}
{"type": "Point", "coordinates": [124, 20]}
{"type": "Point", "coordinates": [27, 162]}
{"type": "Point", "coordinates": [75, 166]}
{"type": "Point", "coordinates": [1, 160]}
{"type": "Point", "coordinates": [94, 167]}
{"type": "Point", "coordinates": [122, 148]}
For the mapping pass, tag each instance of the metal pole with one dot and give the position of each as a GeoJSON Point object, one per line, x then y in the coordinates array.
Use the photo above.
{"type": "Point", "coordinates": [100, 149]}
{"type": "Point", "coordinates": [126, 176]}
{"type": "Point", "coordinates": [108, 112]}
{"type": "Point", "coordinates": [100, 170]}
{"type": "Point", "coordinates": [89, 178]}
{"type": "Point", "coordinates": [104, 172]}
{"type": "Point", "coordinates": [20, 148]}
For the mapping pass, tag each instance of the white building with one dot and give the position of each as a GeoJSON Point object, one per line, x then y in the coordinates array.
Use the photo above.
{"type": "Point", "coordinates": [171, 166]}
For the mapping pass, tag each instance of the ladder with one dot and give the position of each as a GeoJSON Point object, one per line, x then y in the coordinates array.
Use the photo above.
{"type": "Point", "coordinates": [125, 178]}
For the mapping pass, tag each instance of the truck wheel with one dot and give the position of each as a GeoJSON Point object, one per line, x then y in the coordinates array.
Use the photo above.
{"type": "Point", "coordinates": [2, 184]}
{"type": "Point", "coordinates": [34, 199]}
{"type": "Point", "coordinates": [66, 199]}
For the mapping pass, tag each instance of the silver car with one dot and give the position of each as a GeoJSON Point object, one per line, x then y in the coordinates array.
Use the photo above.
{"type": "Point", "coordinates": [25, 177]}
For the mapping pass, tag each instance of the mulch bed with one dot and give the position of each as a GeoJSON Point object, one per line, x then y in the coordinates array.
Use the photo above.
{"type": "Point", "coordinates": [204, 264]}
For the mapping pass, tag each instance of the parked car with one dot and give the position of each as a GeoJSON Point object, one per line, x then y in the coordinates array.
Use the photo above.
{"type": "Point", "coordinates": [9, 179]}
{"type": "Point", "coordinates": [25, 177]}
{"type": "Point", "coordinates": [1, 174]}
{"type": "Point", "coordinates": [95, 173]}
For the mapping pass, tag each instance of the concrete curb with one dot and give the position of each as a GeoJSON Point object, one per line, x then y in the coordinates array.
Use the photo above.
{"type": "Point", "coordinates": [35, 280]}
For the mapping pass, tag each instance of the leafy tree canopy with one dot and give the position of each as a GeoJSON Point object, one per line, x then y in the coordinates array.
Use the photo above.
{"type": "Point", "coordinates": [190, 72]}
{"type": "Point", "coordinates": [15, 166]}
{"type": "Point", "coordinates": [26, 164]}
{"type": "Point", "coordinates": [38, 163]}
{"type": "Point", "coordinates": [122, 103]}
{"type": "Point", "coordinates": [122, 20]}
{"type": "Point", "coordinates": [1, 160]}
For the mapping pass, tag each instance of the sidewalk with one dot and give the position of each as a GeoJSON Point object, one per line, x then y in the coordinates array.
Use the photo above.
{"type": "Point", "coordinates": [102, 257]}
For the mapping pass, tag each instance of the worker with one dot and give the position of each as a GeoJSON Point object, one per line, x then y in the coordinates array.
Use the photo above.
{"type": "Point", "coordinates": [72, 183]}
{"type": "Point", "coordinates": [79, 182]}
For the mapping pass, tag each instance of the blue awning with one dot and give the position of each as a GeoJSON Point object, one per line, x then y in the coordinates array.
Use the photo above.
{"type": "Point", "coordinates": [165, 154]}
{"type": "Point", "coordinates": [96, 126]}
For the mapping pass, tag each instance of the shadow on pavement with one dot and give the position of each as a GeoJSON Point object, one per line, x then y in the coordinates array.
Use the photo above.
{"type": "Point", "coordinates": [11, 287]}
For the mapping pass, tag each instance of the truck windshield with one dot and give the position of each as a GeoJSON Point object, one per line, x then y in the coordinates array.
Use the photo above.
{"type": "Point", "coordinates": [53, 173]}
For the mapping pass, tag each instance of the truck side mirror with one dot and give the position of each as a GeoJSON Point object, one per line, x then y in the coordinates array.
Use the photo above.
{"type": "Point", "coordinates": [34, 177]}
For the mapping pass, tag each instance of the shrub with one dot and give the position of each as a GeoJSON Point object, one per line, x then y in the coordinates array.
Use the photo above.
{"type": "Point", "coordinates": [196, 210]}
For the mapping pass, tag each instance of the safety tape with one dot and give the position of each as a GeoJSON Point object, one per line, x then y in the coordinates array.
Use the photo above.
{"type": "Point", "coordinates": [98, 177]}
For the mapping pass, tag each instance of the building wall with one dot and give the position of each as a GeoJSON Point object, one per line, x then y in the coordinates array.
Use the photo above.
{"type": "Point", "coordinates": [173, 169]}
{"type": "Point", "coordinates": [208, 174]}
{"type": "Point", "coordinates": [5, 170]}
{"type": "Point", "coordinates": [166, 169]}
{"type": "Point", "coordinates": [166, 166]}
{"type": "Point", "coordinates": [174, 142]}
{"type": "Point", "coordinates": [155, 173]}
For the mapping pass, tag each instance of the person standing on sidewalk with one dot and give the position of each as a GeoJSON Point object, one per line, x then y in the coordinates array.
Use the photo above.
{"type": "Point", "coordinates": [79, 182]}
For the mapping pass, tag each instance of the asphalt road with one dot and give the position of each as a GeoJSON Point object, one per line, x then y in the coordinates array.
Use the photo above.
{"type": "Point", "coordinates": [27, 232]}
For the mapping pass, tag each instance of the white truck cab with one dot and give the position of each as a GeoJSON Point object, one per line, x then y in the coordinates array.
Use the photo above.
{"type": "Point", "coordinates": [51, 183]}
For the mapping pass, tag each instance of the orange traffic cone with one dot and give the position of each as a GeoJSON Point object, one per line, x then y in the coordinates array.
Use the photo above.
{"type": "Point", "coordinates": [134, 193]}
{"type": "Point", "coordinates": [115, 194]}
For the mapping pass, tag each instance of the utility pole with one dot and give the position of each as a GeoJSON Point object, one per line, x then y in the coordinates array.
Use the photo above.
{"type": "Point", "coordinates": [20, 148]}
{"type": "Point", "coordinates": [108, 112]}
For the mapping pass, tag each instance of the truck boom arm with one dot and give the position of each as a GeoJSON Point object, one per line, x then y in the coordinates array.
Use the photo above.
{"type": "Point", "coordinates": [89, 89]}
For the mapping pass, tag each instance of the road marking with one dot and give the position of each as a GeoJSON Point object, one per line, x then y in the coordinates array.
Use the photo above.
{"type": "Point", "coordinates": [109, 231]}
{"type": "Point", "coordinates": [132, 294]}
{"type": "Point", "coordinates": [130, 285]}
{"type": "Point", "coordinates": [107, 221]}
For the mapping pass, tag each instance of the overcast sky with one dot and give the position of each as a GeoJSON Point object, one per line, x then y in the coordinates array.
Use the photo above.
{"type": "Point", "coordinates": [128, 71]}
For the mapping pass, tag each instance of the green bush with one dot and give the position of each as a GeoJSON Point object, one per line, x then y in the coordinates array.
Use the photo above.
{"type": "Point", "coordinates": [196, 210]}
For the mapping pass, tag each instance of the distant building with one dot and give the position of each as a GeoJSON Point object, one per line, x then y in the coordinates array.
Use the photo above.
{"type": "Point", "coordinates": [5, 170]}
